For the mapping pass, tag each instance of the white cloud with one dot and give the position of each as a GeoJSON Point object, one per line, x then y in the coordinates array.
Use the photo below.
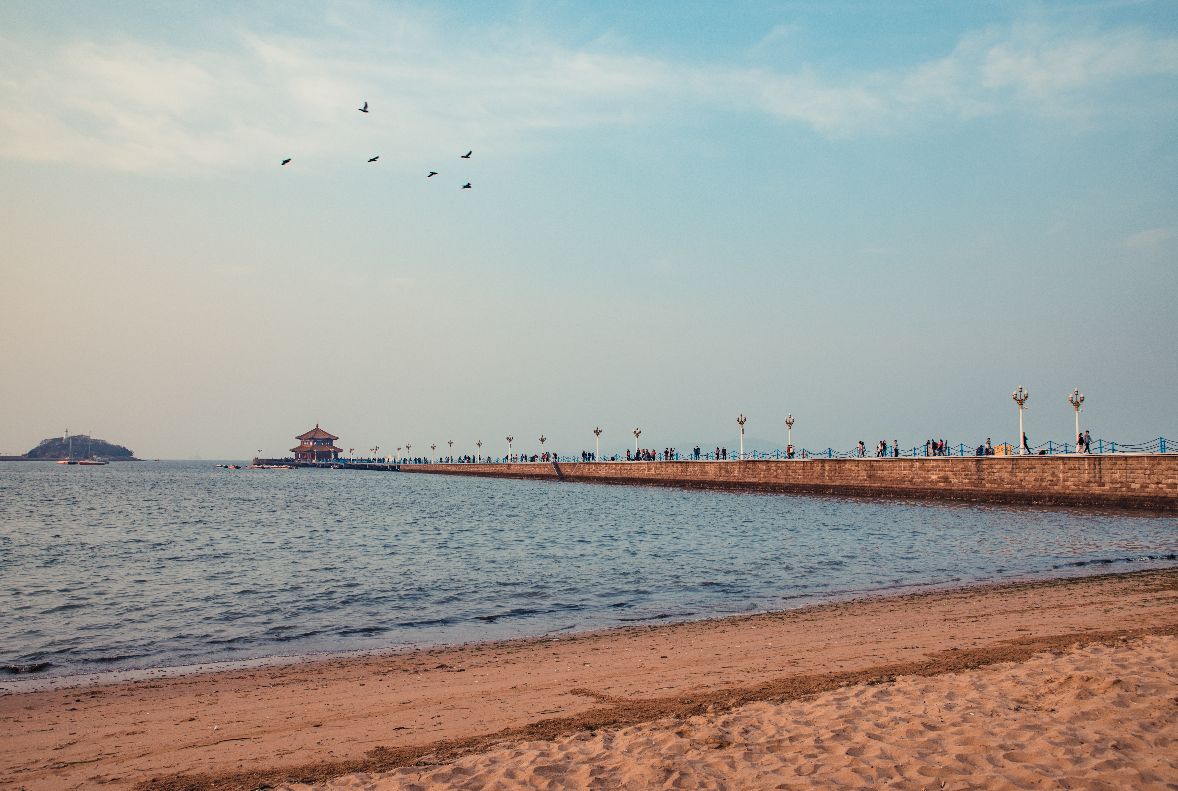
{"type": "Point", "coordinates": [131, 105]}
{"type": "Point", "coordinates": [1149, 241]}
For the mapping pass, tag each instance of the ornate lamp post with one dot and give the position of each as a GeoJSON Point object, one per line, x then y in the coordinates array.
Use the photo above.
{"type": "Point", "coordinates": [789, 429]}
{"type": "Point", "coordinates": [433, 448]}
{"type": "Point", "coordinates": [509, 439]}
{"type": "Point", "coordinates": [637, 434]}
{"type": "Point", "coordinates": [543, 439]}
{"type": "Point", "coordinates": [450, 442]}
{"type": "Point", "coordinates": [597, 434]}
{"type": "Point", "coordinates": [1020, 397]}
{"type": "Point", "coordinates": [408, 447]}
{"type": "Point", "coordinates": [740, 419]}
{"type": "Point", "coordinates": [479, 445]}
{"type": "Point", "coordinates": [1075, 399]}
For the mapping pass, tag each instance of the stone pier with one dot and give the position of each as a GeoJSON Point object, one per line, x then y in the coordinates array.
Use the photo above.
{"type": "Point", "coordinates": [1139, 481]}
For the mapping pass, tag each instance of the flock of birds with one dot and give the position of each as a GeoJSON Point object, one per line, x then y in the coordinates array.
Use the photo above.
{"type": "Point", "coordinates": [430, 175]}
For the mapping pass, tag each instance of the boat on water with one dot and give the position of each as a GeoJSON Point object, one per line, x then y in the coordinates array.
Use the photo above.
{"type": "Point", "coordinates": [69, 459]}
{"type": "Point", "coordinates": [90, 461]}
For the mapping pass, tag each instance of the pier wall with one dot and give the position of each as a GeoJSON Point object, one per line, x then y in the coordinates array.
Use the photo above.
{"type": "Point", "coordinates": [1144, 481]}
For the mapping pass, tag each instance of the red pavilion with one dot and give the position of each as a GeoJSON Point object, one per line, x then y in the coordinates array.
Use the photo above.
{"type": "Point", "coordinates": [316, 445]}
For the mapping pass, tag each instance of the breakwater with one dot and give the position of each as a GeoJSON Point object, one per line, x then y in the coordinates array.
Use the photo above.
{"type": "Point", "coordinates": [1139, 481]}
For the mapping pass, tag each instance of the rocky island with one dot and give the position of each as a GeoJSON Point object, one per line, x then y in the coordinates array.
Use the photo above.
{"type": "Point", "coordinates": [79, 446]}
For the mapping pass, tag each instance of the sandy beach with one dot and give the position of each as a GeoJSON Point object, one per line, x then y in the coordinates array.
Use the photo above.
{"type": "Point", "coordinates": [1015, 686]}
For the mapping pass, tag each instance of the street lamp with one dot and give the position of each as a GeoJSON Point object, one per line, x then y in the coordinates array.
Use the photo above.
{"type": "Point", "coordinates": [479, 445]}
{"type": "Point", "coordinates": [509, 439]}
{"type": "Point", "coordinates": [543, 439]}
{"type": "Point", "coordinates": [1075, 399]}
{"type": "Point", "coordinates": [597, 434]}
{"type": "Point", "coordinates": [789, 429]}
{"type": "Point", "coordinates": [1020, 397]}
{"type": "Point", "coordinates": [637, 434]}
{"type": "Point", "coordinates": [450, 442]}
{"type": "Point", "coordinates": [408, 447]}
{"type": "Point", "coordinates": [433, 448]}
{"type": "Point", "coordinates": [740, 419]}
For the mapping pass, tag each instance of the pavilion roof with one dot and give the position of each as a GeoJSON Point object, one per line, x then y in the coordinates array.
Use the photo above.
{"type": "Point", "coordinates": [317, 433]}
{"type": "Point", "coordinates": [307, 447]}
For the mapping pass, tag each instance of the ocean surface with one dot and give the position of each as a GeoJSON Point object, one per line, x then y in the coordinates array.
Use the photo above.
{"type": "Point", "coordinates": [164, 564]}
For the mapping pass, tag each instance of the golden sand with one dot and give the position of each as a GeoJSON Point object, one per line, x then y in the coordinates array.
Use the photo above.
{"type": "Point", "coordinates": [1001, 684]}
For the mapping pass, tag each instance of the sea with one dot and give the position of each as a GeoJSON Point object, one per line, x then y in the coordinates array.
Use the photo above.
{"type": "Point", "coordinates": [164, 565]}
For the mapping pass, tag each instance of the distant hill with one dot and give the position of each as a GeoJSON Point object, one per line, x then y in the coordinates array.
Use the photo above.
{"type": "Point", "coordinates": [59, 448]}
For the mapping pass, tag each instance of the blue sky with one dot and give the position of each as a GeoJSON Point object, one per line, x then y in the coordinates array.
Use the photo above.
{"type": "Point", "coordinates": [879, 217]}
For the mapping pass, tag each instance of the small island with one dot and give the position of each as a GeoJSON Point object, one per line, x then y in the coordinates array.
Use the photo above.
{"type": "Point", "coordinates": [79, 446]}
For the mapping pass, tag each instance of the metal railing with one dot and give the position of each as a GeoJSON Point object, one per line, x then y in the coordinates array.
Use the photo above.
{"type": "Point", "coordinates": [959, 450]}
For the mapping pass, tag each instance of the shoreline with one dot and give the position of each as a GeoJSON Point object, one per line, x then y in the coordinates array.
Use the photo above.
{"type": "Point", "coordinates": [321, 719]}
{"type": "Point", "coordinates": [24, 683]}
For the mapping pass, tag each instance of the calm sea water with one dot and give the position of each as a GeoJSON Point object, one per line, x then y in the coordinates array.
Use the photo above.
{"type": "Point", "coordinates": [176, 563]}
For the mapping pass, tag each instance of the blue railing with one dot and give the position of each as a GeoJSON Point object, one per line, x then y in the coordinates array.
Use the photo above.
{"type": "Point", "coordinates": [960, 450]}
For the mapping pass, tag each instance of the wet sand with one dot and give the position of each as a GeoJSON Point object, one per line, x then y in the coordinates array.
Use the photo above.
{"type": "Point", "coordinates": [853, 670]}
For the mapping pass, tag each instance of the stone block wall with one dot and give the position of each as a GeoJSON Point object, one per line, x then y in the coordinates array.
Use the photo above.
{"type": "Point", "coordinates": [1144, 481]}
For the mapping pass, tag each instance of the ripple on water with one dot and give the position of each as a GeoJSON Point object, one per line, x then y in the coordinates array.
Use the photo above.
{"type": "Point", "coordinates": [183, 563]}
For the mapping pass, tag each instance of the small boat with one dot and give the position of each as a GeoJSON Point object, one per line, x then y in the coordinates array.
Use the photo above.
{"type": "Point", "coordinates": [90, 461]}
{"type": "Point", "coordinates": [70, 456]}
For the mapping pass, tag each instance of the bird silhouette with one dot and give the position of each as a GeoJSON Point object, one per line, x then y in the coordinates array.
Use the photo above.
{"type": "Point", "coordinates": [466, 186]}
{"type": "Point", "coordinates": [432, 173]}
{"type": "Point", "coordinates": [364, 109]}
{"type": "Point", "coordinates": [466, 155]}
{"type": "Point", "coordinates": [286, 161]}
{"type": "Point", "coordinates": [375, 158]}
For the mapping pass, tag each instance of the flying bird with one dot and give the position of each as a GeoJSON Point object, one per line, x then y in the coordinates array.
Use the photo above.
{"type": "Point", "coordinates": [286, 161]}
{"type": "Point", "coordinates": [466, 155]}
{"type": "Point", "coordinates": [432, 173]}
{"type": "Point", "coordinates": [375, 158]}
{"type": "Point", "coordinates": [466, 186]}
{"type": "Point", "coordinates": [364, 109]}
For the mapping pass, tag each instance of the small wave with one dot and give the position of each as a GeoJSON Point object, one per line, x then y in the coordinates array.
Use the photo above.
{"type": "Point", "coordinates": [1110, 561]}
{"type": "Point", "coordinates": [63, 608]}
{"type": "Point", "coordinates": [362, 630]}
{"type": "Point", "coordinates": [519, 612]}
{"type": "Point", "coordinates": [24, 670]}
{"type": "Point", "coordinates": [431, 622]}
{"type": "Point", "coordinates": [110, 660]}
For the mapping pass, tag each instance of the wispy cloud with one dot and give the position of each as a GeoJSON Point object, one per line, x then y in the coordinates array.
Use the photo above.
{"type": "Point", "coordinates": [135, 105]}
{"type": "Point", "coordinates": [1150, 241]}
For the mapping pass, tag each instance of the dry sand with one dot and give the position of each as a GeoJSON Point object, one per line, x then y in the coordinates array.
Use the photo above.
{"type": "Point", "coordinates": [1095, 717]}
{"type": "Point", "coordinates": [557, 711]}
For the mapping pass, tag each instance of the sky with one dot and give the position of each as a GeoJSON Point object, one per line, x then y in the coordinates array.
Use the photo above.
{"type": "Point", "coordinates": [879, 217]}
